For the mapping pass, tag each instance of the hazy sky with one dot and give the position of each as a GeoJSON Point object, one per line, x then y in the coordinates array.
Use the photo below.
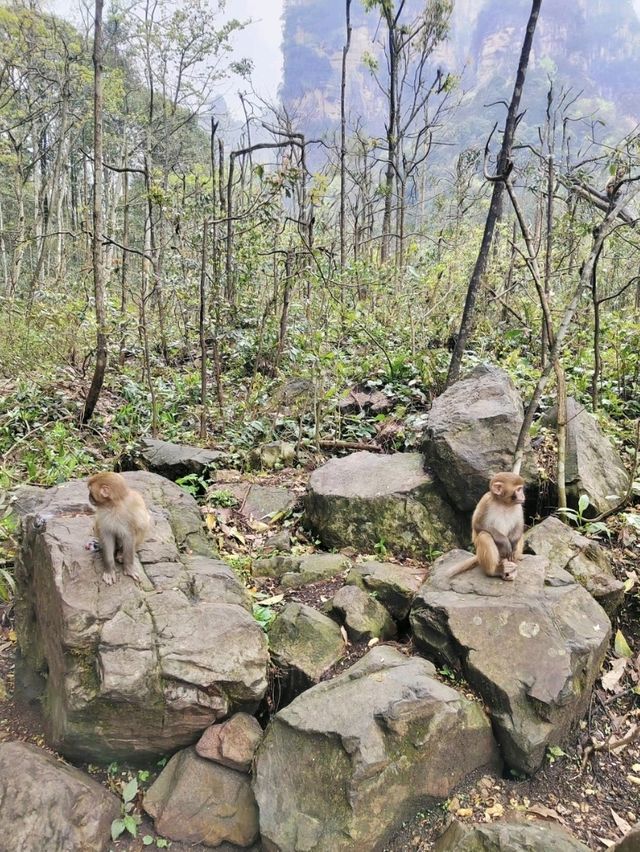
{"type": "Point", "coordinates": [260, 41]}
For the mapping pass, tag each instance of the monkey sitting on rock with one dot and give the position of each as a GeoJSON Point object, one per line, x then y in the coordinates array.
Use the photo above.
{"type": "Point", "coordinates": [122, 521]}
{"type": "Point", "coordinates": [497, 528]}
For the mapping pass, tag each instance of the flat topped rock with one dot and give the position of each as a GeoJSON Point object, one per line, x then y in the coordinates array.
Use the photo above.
{"type": "Point", "coordinates": [366, 475]}
{"type": "Point", "coordinates": [172, 460]}
{"type": "Point", "coordinates": [532, 648]}
{"type": "Point", "coordinates": [394, 585]}
{"type": "Point", "coordinates": [133, 671]}
{"type": "Point", "coordinates": [365, 498]}
{"type": "Point", "coordinates": [347, 761]}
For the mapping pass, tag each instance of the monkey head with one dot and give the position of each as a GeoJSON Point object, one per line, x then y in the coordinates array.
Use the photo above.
{"type": "Point", "coordinates": [106, 489]}
{"type": "Point", "coordinates": [508, 488]}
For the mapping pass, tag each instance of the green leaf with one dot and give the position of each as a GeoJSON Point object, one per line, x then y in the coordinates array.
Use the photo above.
{"type": "Point", "coordinates": [117, 827]}
{"type": "Point", "coordinates": [129, 790]}
{"type": "Point", "coordinates": [555, 751]}
{"type": "Point", "coordinates": [131, 825]}
{"type": "Point", "coordinates": [161, 843]}
{"type": "Point", "coordinates": [147, 840]}
{"type": "Point", "coordinates": [583, 503]}
{"type": "Point", "coordinates": [621, 647]}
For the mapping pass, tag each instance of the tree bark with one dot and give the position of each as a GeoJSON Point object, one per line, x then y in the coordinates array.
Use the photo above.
{"type": "Point", "coordinates": [343, 138]}
{"type": "Point", "coordinates": [98, 226]}
{"type": "Point", "coordinates": [504, 167]}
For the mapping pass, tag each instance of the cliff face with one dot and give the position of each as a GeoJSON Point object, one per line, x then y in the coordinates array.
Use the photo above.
{"type": "Point", "coordinates": [591, 46]}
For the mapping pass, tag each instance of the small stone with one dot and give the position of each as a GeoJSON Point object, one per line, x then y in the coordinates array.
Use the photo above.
{"type": "Point", "coordinates": [232, 743]}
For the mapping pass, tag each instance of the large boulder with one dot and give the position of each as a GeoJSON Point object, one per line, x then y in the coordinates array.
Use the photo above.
{"type": "Point", "coordinates": [582, 557]}
{"type": "Point", "coordinates": [261, 502]}
{"type": "Point", "coordinates": [593, 467]}
{"type": "Point", "coordinates": [365, 499]}
{"type": "Point", "coordinates": [531, 648]}
{"type": "Point", "coordinates": [133, 671]}
{"type": "Point", "coordinates": [507, 837]}
{"type": "Point", "coordinates": [197, 801]}
{"type": "Point", "coordinates": [172, 461]}
{"type": "Point", "coordinates": [471, 433]}
{"type": "Point", "coordinates": [344, 764]}
{"type": "Point", "coordinates": [295, 571]}
{"type": "Point", "coordinates": [46, 804]}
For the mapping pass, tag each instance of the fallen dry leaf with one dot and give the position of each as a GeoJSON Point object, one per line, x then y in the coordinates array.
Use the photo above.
{"type": "Point", "coordinates": [612, 678]}
{"type": "Point", "coordinates": [621, 822]}
{"type": "Point", "coordinates": [546, 813]}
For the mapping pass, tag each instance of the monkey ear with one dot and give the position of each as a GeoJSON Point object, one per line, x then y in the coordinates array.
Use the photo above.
{"type": "Point", "coordinates": [497, 489]}
{"type": "Point", "coordinates": [105, 492]}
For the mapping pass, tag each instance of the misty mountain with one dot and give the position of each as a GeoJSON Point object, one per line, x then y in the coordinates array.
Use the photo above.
{"type": "Point", "coordinates": [590, 47]}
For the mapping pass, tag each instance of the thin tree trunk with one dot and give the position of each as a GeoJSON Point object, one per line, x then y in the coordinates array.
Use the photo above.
{"type": "Point", "coordinates": [597, 356]}
{"type": "Point", "coordinates": [504, 167]}
{"type": "Point", "coordinates": [343, 138]}
{"type": "Point", "coordinates": [392, 139]}
{"type": "Point", "coordinates": [202, 327]}
{"type": "Point", "coordinates": [98, 253]}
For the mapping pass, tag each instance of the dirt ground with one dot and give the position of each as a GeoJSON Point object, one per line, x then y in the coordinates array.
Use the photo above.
{"type": "Point", "coordinates": [591, 786]}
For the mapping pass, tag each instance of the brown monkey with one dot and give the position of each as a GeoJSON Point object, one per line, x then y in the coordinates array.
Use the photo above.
{"type": "Point", "coordinates": [121, 524]}
{"type": "Point", "coordinates": [497, 527]}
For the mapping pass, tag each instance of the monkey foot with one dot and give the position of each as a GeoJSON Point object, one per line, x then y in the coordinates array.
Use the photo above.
{"type": "Point", "coordinates": [509, 570]}
{"type": "Point", "coordinates": [93, 545]}
{"type": "Point", "coordinates": [133, 572]}
{"type": "Point", "coordinates": [109, 577]}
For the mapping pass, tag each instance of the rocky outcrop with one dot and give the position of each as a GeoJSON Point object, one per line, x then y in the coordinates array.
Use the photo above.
{"type": "Point", "coordinates": [377, 741]}
{"type": "Point", "coordinates": [304, 645]}
{"type": "Point", "coordinates": [471, 433]}
{"type": "Point", "coordinates": [531, 648]}
{"type": "Point", "coordinates": [172, 461]}
{"type": "Point", "coordinates": [194, 800]}
{"type": "Point", "coordinates": [134, 671]}
{"type": "Point", "coordinates": [582, 557]}
{"type": "Point", "coordinates": [361, 614]}
{"type": "Point", "coordinates": [629, 843]}
{"type": "Point", "coordinates": [46, 804]}
{"type": "Point", "coordinates": [593, 467]}
{"type": "Point", "coordinates": [232, 743]}
{"type": "Point", "coordinates": [261, 502]}
{"type": "Point", "coordinates": [507, 837]}
{"type": "Point", "coordinates": [364, 499]}
{"type": "Point", "coordinates": [393, 585]}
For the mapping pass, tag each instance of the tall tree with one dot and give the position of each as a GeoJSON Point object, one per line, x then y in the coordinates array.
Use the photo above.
{"type": "Point", "coordinates": [343, 135]}
{"type": "Point", "coordinates": [493, 216]}
{"type": "Point", "coordinates": [98, 224]}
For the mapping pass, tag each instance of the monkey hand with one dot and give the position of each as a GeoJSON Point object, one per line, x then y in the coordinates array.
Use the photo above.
{"type": "Point", "coordinates": [109, 577]}
{"type": "Point", "coordinates": [509, 570]}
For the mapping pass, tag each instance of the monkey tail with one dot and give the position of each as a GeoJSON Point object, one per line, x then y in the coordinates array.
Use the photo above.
{"type": "Point", "coordinates": [467, 565]}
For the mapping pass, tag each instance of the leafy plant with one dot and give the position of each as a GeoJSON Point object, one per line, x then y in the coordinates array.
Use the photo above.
{"type": "Point", "coordinates": [192, 483]}
{"type": "Point", "coordinates": [577, 516]}
{"type": "Point", "coordinates": [264, 615]}
{"type": "Point", "coordinates": [128, 820]}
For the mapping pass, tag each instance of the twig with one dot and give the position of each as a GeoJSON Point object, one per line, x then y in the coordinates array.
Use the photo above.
{"type": "Point", "coordinates": [328, 444]}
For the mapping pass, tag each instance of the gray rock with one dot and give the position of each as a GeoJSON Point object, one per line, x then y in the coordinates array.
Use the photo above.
{"type": "Point", "coordinates": [261, 502]}
{"type": "Point", "coordinates": [358, 399]}
{"type": "Point", "coordinates": [507, 837]}
{"type": "Point", "coordinates": [361, 614]}
{"type": "Point", "coordinates": [172, 461]}
{"type": "Point", "coordinates": [48, 805]}
{"type": "Point", "coordinates": [364, 498]}
{"type": "Point", "coordinates": [471, 433]}
{"type": "Point", "coordinates": [344, 764]}
{"type": "Point", "coordinates": [304, 644]}
{"type": "Point", "coordinates": [194, 800]}
{"type": "Point", "coordinates": [593, 467]}
{"type": "Point", "coordinates": [394, 585]}
{"type": "Point", "coordinates": [630, 842]}
{"type": "Point", "coordinates": [532, 648]}
{"type": "Point", "coordinates": [582, 557]}
{"type": "Point", "coordinates": [134, 672]}
{"type": "Point", "coordinates": [232, 743]}
{"type": "Point", "coordinates": [314, 568]}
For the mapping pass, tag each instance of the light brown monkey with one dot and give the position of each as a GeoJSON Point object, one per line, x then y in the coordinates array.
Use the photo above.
{"type": "Point", "coordinates": [121, 524]}
{"type": "Point", "coordinates": [497, 527]}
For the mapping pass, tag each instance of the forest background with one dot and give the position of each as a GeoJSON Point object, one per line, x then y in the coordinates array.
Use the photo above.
{"type": "Point", "coordinates": [232, 255]}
